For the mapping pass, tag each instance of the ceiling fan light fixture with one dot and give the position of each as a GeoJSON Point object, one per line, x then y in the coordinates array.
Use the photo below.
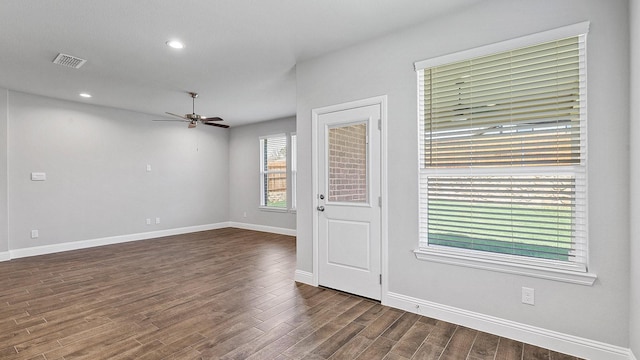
{"type": "Point", "coordinates": [175, 44]}
{"type": "Point", "coordinates": [85, 95]}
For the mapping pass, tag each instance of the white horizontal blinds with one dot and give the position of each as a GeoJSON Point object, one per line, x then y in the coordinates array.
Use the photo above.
{"type": "Point", "coordinates": [502, 154]}
{"type": "Point", "coordinates": [274, 171]}
{"type": "Point", "coordinates": [516, 215]}
{"type": "Point", "coordinates": [516, 108]}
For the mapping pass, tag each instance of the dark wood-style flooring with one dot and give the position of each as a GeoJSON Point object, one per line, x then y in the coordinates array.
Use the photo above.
{"type": "Point", "coordinates": [222, 294]}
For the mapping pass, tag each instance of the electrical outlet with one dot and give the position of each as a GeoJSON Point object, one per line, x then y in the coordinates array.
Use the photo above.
{"type": "Point", "coordinates": [157, 220]}
{"type": "Point", "coordinates": [34, 234]}
{"type": "Point", "coordinates": [528, 296]}
{"type": "Point", "coordinates": [244, 214]}
{"type": "Point", "coordinates": [148, 221]}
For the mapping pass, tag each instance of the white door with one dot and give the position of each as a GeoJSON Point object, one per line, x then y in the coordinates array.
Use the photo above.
{"type": "Point", "coordinates": [348, 200]}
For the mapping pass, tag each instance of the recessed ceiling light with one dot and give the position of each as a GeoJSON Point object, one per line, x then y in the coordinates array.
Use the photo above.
{"type": "Point", "coordinates": [175, 44]}
{"type": "Point", "coordinates": [85, 95]}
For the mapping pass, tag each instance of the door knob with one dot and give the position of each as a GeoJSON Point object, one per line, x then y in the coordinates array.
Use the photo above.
{"type": "Point", "coordinates": [320, 208]}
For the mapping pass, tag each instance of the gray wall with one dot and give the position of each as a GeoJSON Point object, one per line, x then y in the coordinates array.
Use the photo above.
{"type": "Point", "coordinates": [244, 171]}
{"type": "Point", "coordinates": [385, 66]}
{"type": "Point", "coordinates": [97, 185]}
{"type": "Point", "coordinates": [635, 178]}
{"type": "Point", "coordinates": [4, 208]}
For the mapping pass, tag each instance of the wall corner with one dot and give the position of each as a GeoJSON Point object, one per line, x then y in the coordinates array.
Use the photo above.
{"type": "Point", "coordinates": [4, 177]}
{"type": "Point", "coordinates": [634, 191]}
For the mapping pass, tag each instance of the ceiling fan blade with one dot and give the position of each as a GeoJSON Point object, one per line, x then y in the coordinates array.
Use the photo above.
{"type": "Point", "coordinates": [169, 120]}
{"type": "Point", "coordinates": [193, 118]}
{"type": "Point", "coordinates": [218, 125]}
{"type": "Point", "coordinates": [212, 118]}
{"type": "Point", "coordinates": [176, 115]}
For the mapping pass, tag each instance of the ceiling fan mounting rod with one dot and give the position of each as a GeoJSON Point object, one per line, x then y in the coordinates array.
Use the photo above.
{"type": "Point", "coordinates": [194, 95]}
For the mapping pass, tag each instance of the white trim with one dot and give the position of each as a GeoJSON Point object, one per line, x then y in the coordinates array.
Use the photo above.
{"type": "Point", "coordinates": [376, 100]}
{"type": "Point", "coordinates": [315, 114]}
{"type": "Point", "coordinates": [564, 343]}
{"type": "Point", "coordinates": [273, 209]}
{"type": "Point", "coordinates": [506, 171]}
{"type": "Point", "coordinates": [292, 179]}
{"type": "Point", "coordinates": [304, 277]}
{"type": "Point", "coordinates": [76, 245]}
{"type": "Point", "coordinates": [263, 228]}
{"type": "Point", "coordinates": [384, 193]}
{"type": "Point", "coordinates": [500, 264]}
{"type": "Point", "coordinates": [523, 41]}
{"type": "Point", "coordinates": [631, 355]}
{"type": "Point", "coordinates": [284, 135]}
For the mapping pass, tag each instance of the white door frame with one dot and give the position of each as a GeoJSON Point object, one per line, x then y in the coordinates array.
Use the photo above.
{"type": "Point", "coordinates": [382, 102]}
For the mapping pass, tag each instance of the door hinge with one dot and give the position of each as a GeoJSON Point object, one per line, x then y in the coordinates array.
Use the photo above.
{"type": "Point", "coordinates": [380, 201]}
{"type": "Point", "coordinates": [380, 279]}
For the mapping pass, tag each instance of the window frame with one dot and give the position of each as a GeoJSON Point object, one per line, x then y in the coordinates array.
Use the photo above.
{"type": "Point", "coordinates": [265, 172]}
{"type": "Point", "coordinates": [291, 173]}
{"type": "Point", "coordinates": [549, 269]}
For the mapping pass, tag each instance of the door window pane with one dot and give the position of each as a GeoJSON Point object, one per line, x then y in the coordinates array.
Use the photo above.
{"type": "Point", "coordinates": [348, 163]}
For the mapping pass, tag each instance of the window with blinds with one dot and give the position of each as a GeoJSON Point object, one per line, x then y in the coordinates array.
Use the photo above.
{"type": "Point", "coordinates": [503, 153]}
{"type": "Point", "coordinates": [273, 171]}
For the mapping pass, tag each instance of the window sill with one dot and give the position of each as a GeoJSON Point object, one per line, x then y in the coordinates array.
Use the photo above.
{"type": "Point", "coordinates": [461, 259]}
{"type": "Point", "coordinates": [273, 209]}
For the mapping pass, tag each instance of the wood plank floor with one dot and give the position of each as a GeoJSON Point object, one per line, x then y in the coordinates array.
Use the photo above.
{"type": "Point", "coordinates": [222, 294]}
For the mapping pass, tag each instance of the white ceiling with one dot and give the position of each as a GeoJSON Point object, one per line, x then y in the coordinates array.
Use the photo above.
{"type": "Point", "coordinates": [240, 55]}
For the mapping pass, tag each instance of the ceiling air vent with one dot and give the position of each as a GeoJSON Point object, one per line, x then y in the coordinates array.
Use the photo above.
{"type": "Point", "coordinates": [69, 61]}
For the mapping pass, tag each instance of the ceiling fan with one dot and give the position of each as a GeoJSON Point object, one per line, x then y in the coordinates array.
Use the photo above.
{"type": "Point", "coordinates": [193, 118]}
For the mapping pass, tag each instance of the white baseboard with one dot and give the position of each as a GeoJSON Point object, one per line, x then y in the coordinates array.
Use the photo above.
{"type": "Point", "coordinates": [76, 245]}
{"type": "Point", "coordinates": [304, 277]}
{"type": "Point", "coordinates": [568, 344]}
{"type": "Point", "coordinates": [263, 228]}
{"type": "Point", "coordinates": [632, 356]}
